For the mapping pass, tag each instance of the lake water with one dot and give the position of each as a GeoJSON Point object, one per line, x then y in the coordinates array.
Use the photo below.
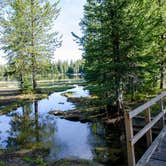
{"type": "Point", "coordinates": [31, 125]}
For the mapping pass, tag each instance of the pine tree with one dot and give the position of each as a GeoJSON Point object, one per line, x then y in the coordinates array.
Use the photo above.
{"type": "Point", "coordinates": [14, 39]}
{"type": "Point", "coordinates": [160, 36]}
{"type": "Point", "coordinates": [104, 48]}
{"type": "Point", "coordinates": [28, 33]}
{"type": "Point", "coordinates": [116, 39]}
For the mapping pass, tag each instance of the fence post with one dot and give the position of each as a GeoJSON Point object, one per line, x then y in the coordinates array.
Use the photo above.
{"type": "Point", "coordinates": [129, 137]}
{"type": "Point", "coordinates": [149, 133]}
{"type": "Point", "coordinates": [162, 121]}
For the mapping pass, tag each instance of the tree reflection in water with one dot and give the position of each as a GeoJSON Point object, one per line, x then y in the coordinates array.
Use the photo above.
{"type": "Point", "coordinates": [106, 143]}
{"type": "Point", "coordinates": [29, 129]}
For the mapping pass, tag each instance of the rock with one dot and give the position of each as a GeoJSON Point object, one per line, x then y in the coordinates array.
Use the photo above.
{"type": "Point", "coordinates": [61, 103]}
{"type": "Point", "coordinates": [57, 113]}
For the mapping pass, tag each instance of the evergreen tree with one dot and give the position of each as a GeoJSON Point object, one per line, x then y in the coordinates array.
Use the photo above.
{"type": "Point", "coordinates": [103, 28]}
{"type": "Point", "coordinates": [14, 39]}
{"type": "Point", "coordinates": [159, 35]}
{"type": "Point", "coordinates": [118, 59]}
{"type": "Point", "coordinates": [28, 33]}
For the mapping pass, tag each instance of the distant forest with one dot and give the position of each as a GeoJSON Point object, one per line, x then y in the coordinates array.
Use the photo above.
{"type": "Point", "coordinates": [8, 72]}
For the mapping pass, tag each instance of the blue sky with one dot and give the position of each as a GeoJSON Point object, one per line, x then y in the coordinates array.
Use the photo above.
{"type": "Point", "coordinates": [67, 22]}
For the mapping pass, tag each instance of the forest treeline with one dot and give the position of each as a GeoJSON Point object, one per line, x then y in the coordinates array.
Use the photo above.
{"type": "Point", "coordinates": [124, 44]}
{"type": "Point", "coordinates": [53, 69]}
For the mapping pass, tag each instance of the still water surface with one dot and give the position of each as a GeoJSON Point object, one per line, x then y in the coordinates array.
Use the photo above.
{"type": "Point", "coordinates": [30, 125]}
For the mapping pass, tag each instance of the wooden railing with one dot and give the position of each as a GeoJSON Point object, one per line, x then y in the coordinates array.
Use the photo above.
{"type": "Point", "coordinates": [129, 115]}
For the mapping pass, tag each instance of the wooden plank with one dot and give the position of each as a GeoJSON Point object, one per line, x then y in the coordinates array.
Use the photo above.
{"type": "Point", "coordinates": [153, 162]}
{"type": "Point", "coordinates": [162, 121]}
{"type": "Point", "coordinates": [162, 144]}
{"type": "Point", "coordinates": [159, 156]}
{"type": "Point", "coordinates": [146, 105]}
{"type": "Point", "coordinates": [129, 136]}
{"type": "Point", "coordinates": [146, 128]}
{"type": "Point", "coordinates": [161, 150]}
{"type": "Point", "coordinates": [147, 155]}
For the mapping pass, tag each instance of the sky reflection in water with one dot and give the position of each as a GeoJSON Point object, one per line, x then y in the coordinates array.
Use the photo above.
{"type": "Point", "coordinates": [65, 138]}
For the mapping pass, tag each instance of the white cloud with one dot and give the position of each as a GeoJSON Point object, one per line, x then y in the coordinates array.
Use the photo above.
{"type": "Point", "coordinates": [67, 54]}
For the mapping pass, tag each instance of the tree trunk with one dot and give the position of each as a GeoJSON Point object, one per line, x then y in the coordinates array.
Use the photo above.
{"type": "Point", "coordinates": [36, 122]}
{"type": "Point", "coordinates": [21, 81]}
{"type": "Point", "coordinates": [162, 52]}
{"type": "Point", "coordinates": [162, 66]}
{"type": "Point", "coordinates": [162, 75]}
{"type": "Point", "coordinates": [32, 45]}
{"type": "Point", "coordinates": [117, 59]}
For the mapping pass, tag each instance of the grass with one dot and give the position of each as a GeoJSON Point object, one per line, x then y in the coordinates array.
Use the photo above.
{"type": "Point", "coordinates": [48, 90]}
{"type": "Point", "coordinates": [39, 160]}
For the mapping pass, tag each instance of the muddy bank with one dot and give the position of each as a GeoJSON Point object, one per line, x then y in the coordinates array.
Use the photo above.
{"type": "Point", "coordinates": [87, 116]}
{"type": "Point", "coordinates": [90, 114]}
{"type": "Point", "coordinates": [88, 109]}
{"type": "Point", "coordinates": [6, 100]}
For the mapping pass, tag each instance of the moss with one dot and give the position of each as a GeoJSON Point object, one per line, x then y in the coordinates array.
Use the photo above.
{"type": "Point", "coordinates": [2, 163]}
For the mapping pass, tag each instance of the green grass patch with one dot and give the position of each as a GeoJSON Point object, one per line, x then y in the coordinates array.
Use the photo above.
{"type": "Point", "coordinates": [48, 90]}
{"type": "Point", "coordinates": [2, 163]}
{"type": "Point", "coordinates": [68, 94]}
{"type": "Point", "coordinates": [37, 161]}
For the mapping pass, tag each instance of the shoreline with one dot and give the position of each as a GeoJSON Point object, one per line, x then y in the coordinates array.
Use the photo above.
{"type": "Point", "coordinates": [11, 99]}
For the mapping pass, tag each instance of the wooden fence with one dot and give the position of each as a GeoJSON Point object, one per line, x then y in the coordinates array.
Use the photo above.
{"type": "Point", "coordinates": [150, 122]}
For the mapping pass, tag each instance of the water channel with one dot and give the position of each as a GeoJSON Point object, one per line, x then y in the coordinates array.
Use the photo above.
{"type": "Point", "coordinates": [31, 125]}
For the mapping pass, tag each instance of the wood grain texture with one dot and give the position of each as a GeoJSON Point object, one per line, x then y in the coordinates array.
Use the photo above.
{"type": "Point", "coordinates": [156, 152]}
